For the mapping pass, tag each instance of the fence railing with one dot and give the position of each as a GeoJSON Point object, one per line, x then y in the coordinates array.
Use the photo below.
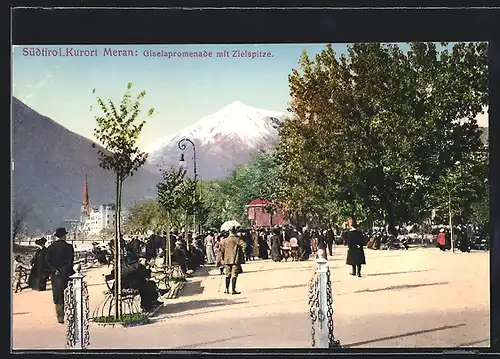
{"type": "Point", "coordinates": [321, 305]}
{"type": "Point", "coordinates": [84, 257]}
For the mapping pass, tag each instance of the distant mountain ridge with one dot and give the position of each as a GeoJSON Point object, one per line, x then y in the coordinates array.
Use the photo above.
{"type": "Point", "coordinates": [50, 163]}
{"type": "Point", "coordinates": [223, 140]}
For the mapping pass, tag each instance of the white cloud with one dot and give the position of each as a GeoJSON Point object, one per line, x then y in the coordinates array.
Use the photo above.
{"type": "Point", "coordinates": [37, 87]}
{"type": "Point", "coordinates": [26, 98]}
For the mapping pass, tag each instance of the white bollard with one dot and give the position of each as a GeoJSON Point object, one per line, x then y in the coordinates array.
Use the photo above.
{"type": "Point", "coordinates": [78, 325]}
{"type": "Point", "coordinates": [322, 311]}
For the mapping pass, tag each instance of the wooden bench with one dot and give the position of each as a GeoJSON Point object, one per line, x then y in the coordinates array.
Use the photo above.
{"type": "Point", "coordinates": [162, 274]}
{"type": "Point", "coordinates": [20, 277]}
{"type": "Point", "coordinates": [130, 300]}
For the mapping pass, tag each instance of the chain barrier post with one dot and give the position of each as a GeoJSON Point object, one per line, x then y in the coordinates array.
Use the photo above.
{"type": "Point", "coordinates": [77, 311]}
{"type": "Point", "coordinates": [322, 308]}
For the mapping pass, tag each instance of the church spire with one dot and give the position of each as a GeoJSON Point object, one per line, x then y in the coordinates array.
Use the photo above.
{"type": "Point", "coordinates": [85, 202]}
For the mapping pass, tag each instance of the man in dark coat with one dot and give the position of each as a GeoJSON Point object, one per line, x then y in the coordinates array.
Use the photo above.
{"type": "Point", "coordinates": [37, 279]}
{"type": "Point", "coordinates": [134, 246]}
{"type": "Point", "coordinates": [59, 259]}
{"type": "Point", "coordinates": [263, 246]}
{"type": "Point", "coordinates": [196, 255]}
{"type": "Point", "coordinates": [179, 256]}
{"type": "Point", "coordinates": [99, 254]}
{"type": "Point", "coordinates": [247, 237]}
{"type": "Point", "coordinates": [135, 276]}
{"type": "Point", "coordinates": [355, 252]}
{"type": "Point", "coordinates": [305, 245]}
{"type": "Point", "coordinates": [276, 245]}
{"type": "Point", "coordinates": [330, 238]}
{"type": "Point", "coordinates": [463, 243]}
{"type": "Point", "coordinates": [322, 242]}
{"type": "Point", "coordinates": [232, 254]}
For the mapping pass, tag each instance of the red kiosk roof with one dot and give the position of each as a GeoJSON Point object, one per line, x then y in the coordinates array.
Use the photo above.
{"type": "Point", "coordinates": [258, 202]}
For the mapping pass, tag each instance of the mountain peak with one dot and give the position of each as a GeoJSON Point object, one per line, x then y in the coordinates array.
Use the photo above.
{"type": "Point", "coordinates": [224, 139]}
{"type": "Point", "coordinates": [241, 122]}
{"type": "Point", "coordinates": [237, 104]}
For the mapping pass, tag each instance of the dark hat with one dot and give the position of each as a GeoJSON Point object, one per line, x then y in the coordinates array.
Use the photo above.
{"type": "Point", "coordinates": [60, 232]}
{"type": "Point", "coordinates": [41, 241]}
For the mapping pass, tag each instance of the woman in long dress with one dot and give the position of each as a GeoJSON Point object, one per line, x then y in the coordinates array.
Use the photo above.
{"type": "Point", "coordinates": [38, 276]}
{"type": "Point", "coordinates": [209, 248]}
{"type": "Point", "coordinates": [255, 244]}
{"type": "Point", "coordinates": [276, 246]}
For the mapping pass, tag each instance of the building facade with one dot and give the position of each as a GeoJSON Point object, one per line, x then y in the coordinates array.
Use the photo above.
{"type": "Point", "coordinates": [259, 216]}
{"type": "Point", "coordinates": [99, 219]}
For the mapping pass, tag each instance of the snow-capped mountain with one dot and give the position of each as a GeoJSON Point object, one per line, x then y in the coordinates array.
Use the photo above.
{"type": "Point", "coordinates": [223, 140]}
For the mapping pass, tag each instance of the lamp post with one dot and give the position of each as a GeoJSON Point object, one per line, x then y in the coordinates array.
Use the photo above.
{"type": "Point", "coordinates": [182, 146]}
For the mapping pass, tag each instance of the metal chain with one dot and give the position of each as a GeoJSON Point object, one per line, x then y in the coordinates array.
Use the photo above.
{"type": "Point", "coordinates": [86, 315]}
{"type": "Point", "coordinates": [313, 305]}
{"type": "Point", "coordinates": [332, 342]}
{"type": "Point", "coordinates": [69, 311]}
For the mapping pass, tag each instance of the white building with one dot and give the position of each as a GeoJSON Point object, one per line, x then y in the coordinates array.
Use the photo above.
{"type": "Point", "coordinates": [99, 219]}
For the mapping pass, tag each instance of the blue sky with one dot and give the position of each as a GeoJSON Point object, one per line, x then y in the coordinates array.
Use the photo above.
{"type": "Point", "coordinates": [182, 90]}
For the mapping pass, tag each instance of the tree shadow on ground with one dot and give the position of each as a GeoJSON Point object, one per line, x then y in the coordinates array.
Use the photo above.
{"type": "Point", "coordinates": [288, 268]}
{"type": "Point", "coordinates": [290, 286]}
{"type": "Point", "coordinates": [418, 332]}
{"type": "Point", "coordinates": [393, 273]}
{"type": "Point", "coordinates": [197, 345]}
{"type": "Point", "coordinates": [173, 308]}
{"type": "Point", "coordinates": [399, 287]}
{"type": "Point", "coordinates": [202, 272]}
{"type": "Point", "coordinates": [221, 307]}
{"type": "Point", "coordinates": [191, 288]}
{"type": "Point", "coordinates": [486, 341]}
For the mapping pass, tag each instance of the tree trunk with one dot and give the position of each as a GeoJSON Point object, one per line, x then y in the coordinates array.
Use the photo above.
{"type": "Point", "coordinates": [450, 222]}
{"type": "Point", "coordinates": [391, 221]}
{"type": "Point", "coordinates": [116, 242]}
{"type": "Point", "coordinates": [168, 255]}
{"type": "Point", "coordinates": [117, 260]}
{"type": "Point", "coordinates": [186, 230]}
{"type": "Point", "coordinates": [120, 258]}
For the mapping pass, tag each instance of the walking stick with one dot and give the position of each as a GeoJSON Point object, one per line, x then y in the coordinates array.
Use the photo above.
{"type": "Point", "coordinates": [220, 283]}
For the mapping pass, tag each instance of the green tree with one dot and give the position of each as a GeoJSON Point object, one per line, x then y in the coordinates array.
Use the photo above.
{"type": "Point", "coordinates": [376, 128]}
{"type": "Point", "coordinates": [144, 216]}
{"type": "Point", "coordinates": [172, 195]}
{"type": "Point", "coordinates": [118, 130]}
{"type": "Point", "coordinates": [226, 199]}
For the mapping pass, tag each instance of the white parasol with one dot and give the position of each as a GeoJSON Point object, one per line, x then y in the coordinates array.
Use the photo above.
{"type": "Point", "coordinates": [226, 226]}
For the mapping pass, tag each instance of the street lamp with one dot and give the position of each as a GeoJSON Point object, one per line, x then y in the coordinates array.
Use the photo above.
{"type": "Point", "coordinates": [182, 146]}
{"type": "Point", "coordinates": [182, 162]}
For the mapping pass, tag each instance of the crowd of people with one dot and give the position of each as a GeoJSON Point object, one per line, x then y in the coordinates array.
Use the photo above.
{"type": "Point", "coordinates": [225, 250]}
